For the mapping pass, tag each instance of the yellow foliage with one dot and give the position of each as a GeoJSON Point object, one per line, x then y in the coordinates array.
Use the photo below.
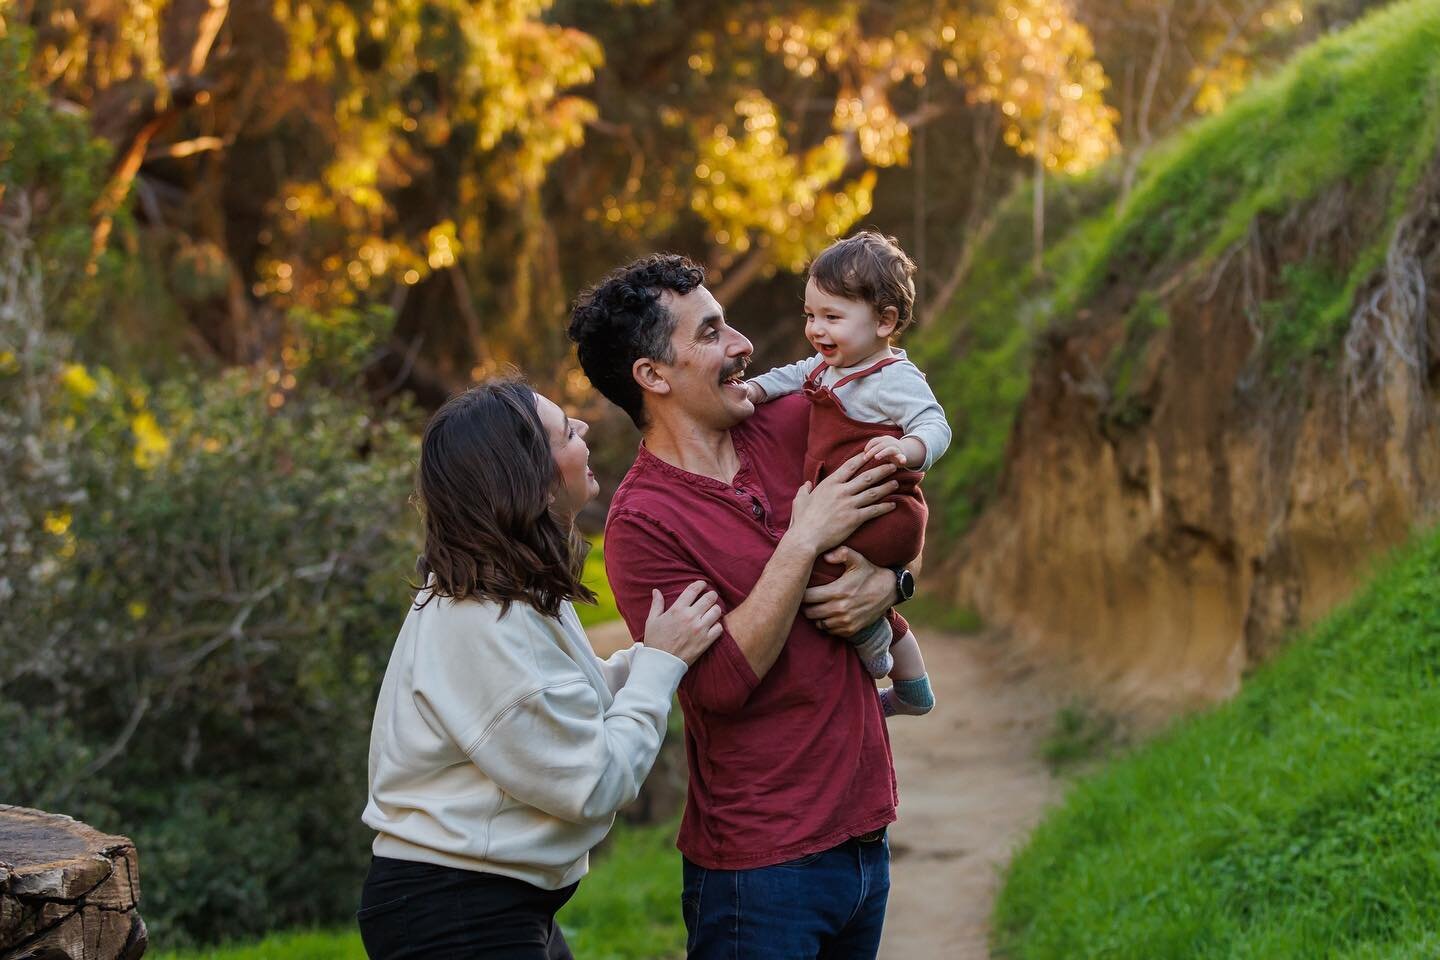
{"type": "Point", "coordinates": [750, 186]}
{"type": "Point", "coordinates": [1036, 62]}
{"type": "Point", "coordinates": [1222, 75]}
{"type": "Point", "coordinates": [8, 363]}
{"type": "Point", "coordinates": [151, 444]}
{"type": "Point", "coordinates": [137, 609]}
{"type": "Point", "coordinates": [76, 379]}
{"type": "Point", "coordinates": [57, 523]}
{"type": "Point", "coordinates": [505, 69]}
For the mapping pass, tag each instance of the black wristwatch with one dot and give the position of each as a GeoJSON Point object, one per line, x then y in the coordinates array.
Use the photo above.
{"type": "Point", "coordinates": [904, 584]}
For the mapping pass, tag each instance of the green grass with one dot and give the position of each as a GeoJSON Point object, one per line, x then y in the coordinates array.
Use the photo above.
{"type": "Point", "coordinates": [603, 608]}
{"type": "Point", "coordinates": [627, 908]}
{"type": "Point", "coordinates": [298, 945]}
{"type": "Point", "coordinates": [1358, 110]}
{"type": "Point", "coordinates": [1081, 736]}
{"type": "Point", "coordinates": [927, 612]}
{"type": "Point", "coordinates": [1300, 820]}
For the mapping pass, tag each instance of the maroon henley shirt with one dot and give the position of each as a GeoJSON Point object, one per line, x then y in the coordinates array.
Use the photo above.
{"type": "Point", "coordinates": [781, 767]}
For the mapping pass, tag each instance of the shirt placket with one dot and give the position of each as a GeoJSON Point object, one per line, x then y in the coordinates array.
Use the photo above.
{"type": "Point", "coordinates": [751, 495]}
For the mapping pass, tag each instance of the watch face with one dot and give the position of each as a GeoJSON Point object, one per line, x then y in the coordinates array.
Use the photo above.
{"type": "Point", "coordinates": [905, 584]}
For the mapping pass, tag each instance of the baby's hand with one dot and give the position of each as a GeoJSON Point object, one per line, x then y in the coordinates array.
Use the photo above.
{"type": "Point", "coordinates": [886, 449]}
{"type": "Point", "coordinates": [755, 392]}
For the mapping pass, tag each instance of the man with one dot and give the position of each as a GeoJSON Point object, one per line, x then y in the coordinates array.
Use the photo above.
{"type": "Point", "coordinates": [791, 781]}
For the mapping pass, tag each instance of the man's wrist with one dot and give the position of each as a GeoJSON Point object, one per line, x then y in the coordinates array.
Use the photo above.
{"type": "Point", "coordinates": [904, 584]}
{"type": "Point", "coordinates": [795, 539]}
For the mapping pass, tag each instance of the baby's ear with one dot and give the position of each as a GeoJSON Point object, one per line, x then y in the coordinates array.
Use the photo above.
{"type": "Point", "coordinates": [889, 320]}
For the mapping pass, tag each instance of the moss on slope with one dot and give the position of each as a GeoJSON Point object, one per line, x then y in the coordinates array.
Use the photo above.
{"type": "Point", "coordinates": [1355, 116]}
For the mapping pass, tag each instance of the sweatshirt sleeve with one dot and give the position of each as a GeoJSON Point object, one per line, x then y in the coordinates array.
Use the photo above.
{"type": "Point", "coordinates": [639, 557]}
{"type": "Point", "coordinates": [907, 400]}
{"type": "Point", "coordinates": [786, 379]}
{"type": "Point", "coordinates": [616, 667]}
{"type": "Point", "coordinates": [557, 750]}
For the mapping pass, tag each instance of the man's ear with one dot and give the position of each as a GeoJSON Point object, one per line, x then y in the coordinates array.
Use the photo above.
{"type": "Point", "coordinates": [648, 375]}
{"type": "Point", "coordinates": [889, 320]}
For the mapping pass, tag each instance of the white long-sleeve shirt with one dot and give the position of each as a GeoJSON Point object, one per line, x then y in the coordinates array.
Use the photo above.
{"type": "Point", "coordinates": [896, 394]}
{"type": "Point", "coordinates": [504, 745]}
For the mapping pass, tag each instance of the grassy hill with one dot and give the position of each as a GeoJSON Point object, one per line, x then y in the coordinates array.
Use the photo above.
{"type": "Point", "coordinates": [1300, 820]}
{"type": "Point", "coordinates": [1350, 124]}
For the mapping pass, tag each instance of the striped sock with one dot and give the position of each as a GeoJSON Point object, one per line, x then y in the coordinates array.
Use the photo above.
{"type": "Point", "coordinates": [910, 697]}
{"type": "Point", "coordinates": [873, 645]}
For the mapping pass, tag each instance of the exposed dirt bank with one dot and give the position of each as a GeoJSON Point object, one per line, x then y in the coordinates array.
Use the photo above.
{"type": "Point", "coordinates": [1156, 545]}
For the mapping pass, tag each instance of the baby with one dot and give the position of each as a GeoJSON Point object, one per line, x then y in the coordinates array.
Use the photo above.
{"type": "Point", "coordinates": [864, 395]}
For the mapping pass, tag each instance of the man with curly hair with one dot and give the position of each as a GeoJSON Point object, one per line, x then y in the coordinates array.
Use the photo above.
{"type": "Point", "coordinates": [791, 780]}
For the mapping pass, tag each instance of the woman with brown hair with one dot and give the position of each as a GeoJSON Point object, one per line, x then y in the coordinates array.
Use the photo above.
{"type": "Point", "coordinates": [502, 745]}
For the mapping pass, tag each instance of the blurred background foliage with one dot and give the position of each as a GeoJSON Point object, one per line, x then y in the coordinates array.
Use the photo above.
{"type": "Point", "coordinates": [245, 244]}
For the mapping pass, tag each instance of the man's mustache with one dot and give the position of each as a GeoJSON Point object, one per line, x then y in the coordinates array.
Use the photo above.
{"type": "Point", "coordinates": [735, 368]}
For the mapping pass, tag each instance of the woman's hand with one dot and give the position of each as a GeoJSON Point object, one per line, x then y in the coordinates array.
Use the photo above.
{"type": "Point", "coordinates": [687, 629]}
{"type": "Point", "coordinates": [855, 599]}
{"type": "Point", "coordinates": [840, 503]}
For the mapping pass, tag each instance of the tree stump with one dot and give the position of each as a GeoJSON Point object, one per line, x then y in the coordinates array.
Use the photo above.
{"type": "Point", "coordinates": [67, 892]}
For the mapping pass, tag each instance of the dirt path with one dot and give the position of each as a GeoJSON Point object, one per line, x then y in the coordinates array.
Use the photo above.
{"type": "Point", "coordinates": [971, 787]}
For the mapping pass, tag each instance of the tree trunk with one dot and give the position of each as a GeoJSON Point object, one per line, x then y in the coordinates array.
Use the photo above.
{"type": "Point", "coordinates": [67, 892]}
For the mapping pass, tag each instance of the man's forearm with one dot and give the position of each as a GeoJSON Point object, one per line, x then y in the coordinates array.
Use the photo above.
{"type": "Point", "coordinates": [761, 623]}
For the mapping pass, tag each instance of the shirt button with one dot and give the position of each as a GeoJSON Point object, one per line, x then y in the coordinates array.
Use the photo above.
{"type": "Point", "coordinates": [756, 509]}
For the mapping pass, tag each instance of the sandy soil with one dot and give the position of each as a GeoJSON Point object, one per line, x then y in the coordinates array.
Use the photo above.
{"type": "Point", "coordinates": [971, 786]}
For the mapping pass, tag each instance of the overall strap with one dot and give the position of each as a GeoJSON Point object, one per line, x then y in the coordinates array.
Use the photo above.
{"type": "Point", "coordinates": [814, 376]}
{"type": "Point", "coordinates": [867, 371]}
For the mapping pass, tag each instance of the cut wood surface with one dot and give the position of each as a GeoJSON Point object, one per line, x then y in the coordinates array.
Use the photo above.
{"type": "Point", "coordinates": [67, 891]}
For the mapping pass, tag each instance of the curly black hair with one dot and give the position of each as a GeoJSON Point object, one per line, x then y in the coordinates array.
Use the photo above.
{"type": "Point", "coordinates": [621, 319]}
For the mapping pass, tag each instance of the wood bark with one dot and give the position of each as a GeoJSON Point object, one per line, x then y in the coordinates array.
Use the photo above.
{"type": "Point", "coordinates": [67, 891]}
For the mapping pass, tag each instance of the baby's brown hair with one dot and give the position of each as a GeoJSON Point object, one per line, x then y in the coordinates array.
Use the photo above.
{"type": "Point", "coordinates": [869, 267]}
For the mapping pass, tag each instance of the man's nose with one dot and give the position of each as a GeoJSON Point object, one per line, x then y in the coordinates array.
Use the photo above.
{"type": "Point", "coordinates": [738, 345]}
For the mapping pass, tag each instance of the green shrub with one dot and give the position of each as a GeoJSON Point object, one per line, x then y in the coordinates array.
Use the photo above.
{"type": "Point", "coordinates": [200, 581]}
{"type": "Point", "coordinates": [1296, 821]}
{"type": "Point", "coordinates": [194, 657]}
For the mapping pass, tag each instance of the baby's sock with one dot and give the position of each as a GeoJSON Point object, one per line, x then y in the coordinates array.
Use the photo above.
{"type": "Point", "coordinates": [911, 697]}
{"type": "Point", "coordinates": [873, 645]}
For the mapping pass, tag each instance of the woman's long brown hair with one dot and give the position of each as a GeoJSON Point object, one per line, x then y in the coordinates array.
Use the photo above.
{"type": "Point", "coordinates": [484, 489]}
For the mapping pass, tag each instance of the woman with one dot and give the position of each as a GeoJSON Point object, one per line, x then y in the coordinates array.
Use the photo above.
{"type": "Point", "coordinates": [502, 746]}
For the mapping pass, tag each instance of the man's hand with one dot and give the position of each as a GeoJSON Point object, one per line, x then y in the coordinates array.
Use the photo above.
{"type": "Point", "coordinates": [858, 598]}
{"type": "Point", "coordinates": [822, 517]}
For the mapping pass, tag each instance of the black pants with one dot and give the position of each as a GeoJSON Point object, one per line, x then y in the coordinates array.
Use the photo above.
{"type": "Point", "coordinates": [419, 910]}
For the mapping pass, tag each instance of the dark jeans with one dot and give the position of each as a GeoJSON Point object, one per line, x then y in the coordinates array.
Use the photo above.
{"type": "Point", "coordinates": [413, 910]}
{"type": "Point", "coordinates": [829, 904]}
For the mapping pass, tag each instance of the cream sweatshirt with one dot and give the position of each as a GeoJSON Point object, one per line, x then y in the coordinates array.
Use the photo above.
{"type": "Point", "coordinates": [504, 745]}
